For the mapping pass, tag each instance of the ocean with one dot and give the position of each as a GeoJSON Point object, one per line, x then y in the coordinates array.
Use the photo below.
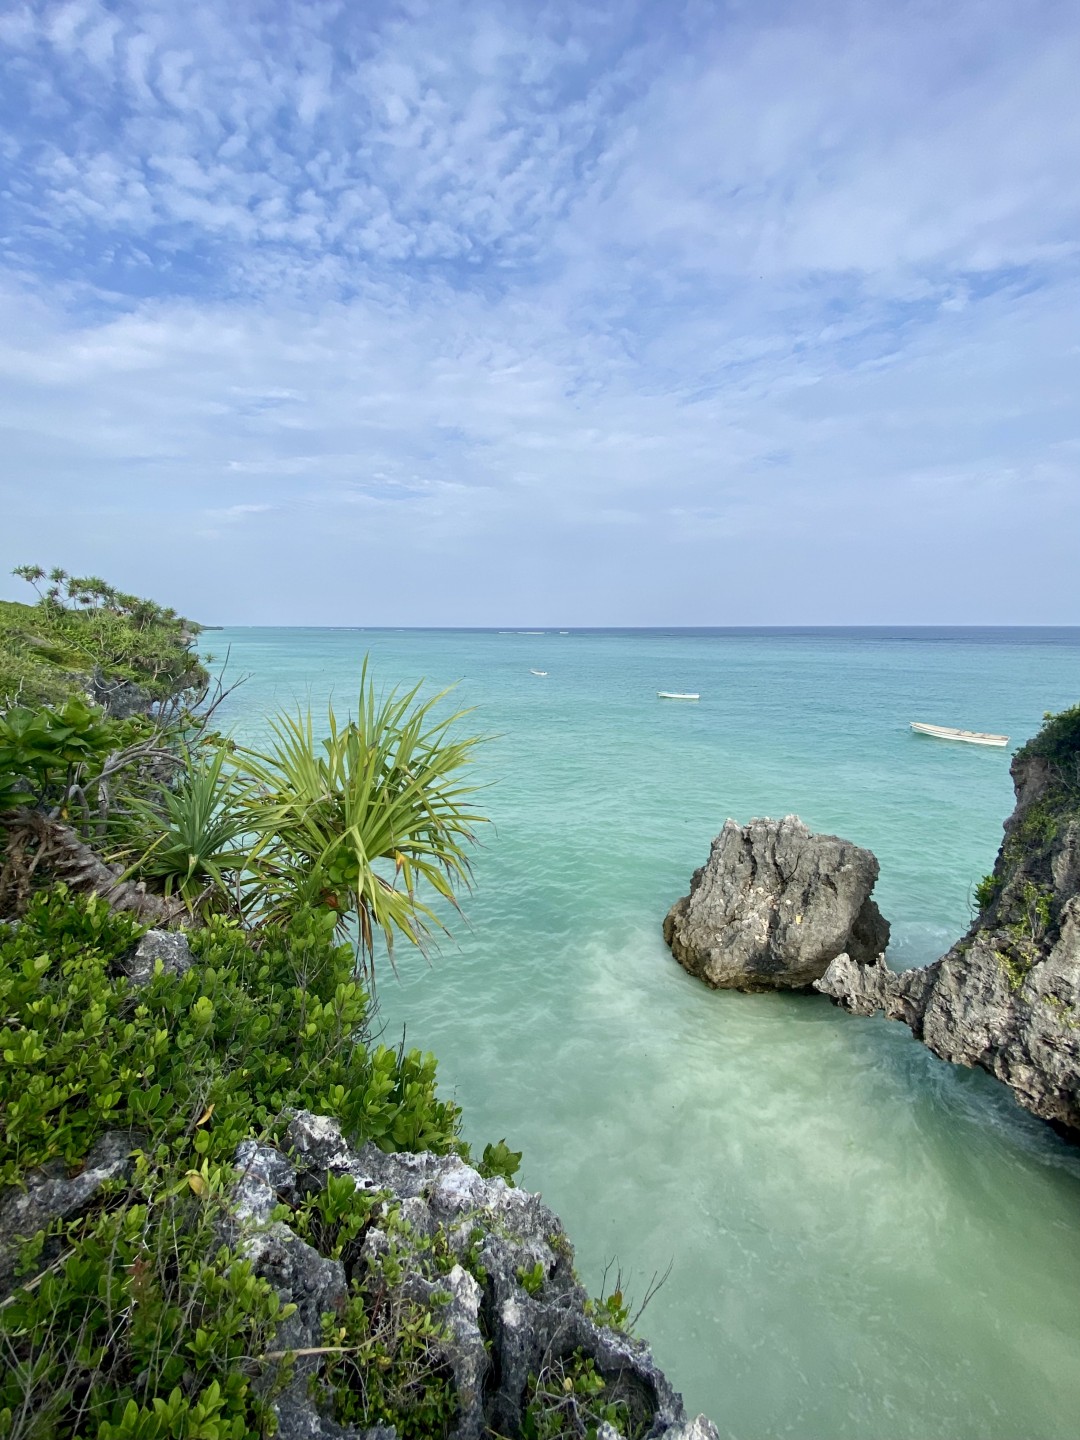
{"type": "Point", "coordinates": [862, 1241]}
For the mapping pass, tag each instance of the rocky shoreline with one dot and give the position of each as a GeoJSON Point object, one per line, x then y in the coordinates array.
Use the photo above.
{"type": "Point", "coordinates": [1006, 997]}
{"type": "Point", "coordinates": [778, 907]}
{"type": "Point", "coordinates": [462, 1285]}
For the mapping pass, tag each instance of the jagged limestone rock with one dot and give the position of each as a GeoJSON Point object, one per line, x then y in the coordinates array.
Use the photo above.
{"type": "Point", "coordinates": [51, 1193]}
{"type": "Point", "coordinates": [1007, 996]}
{"type": "Point", "coordinates": [496, 1331]}
{"type": "Point", "coordinates": [168, 946]}
{"type": "Point", "coordinates": [773, 904]}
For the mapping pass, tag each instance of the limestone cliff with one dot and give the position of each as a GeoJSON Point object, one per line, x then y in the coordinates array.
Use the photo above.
{"type": "Point", "coordinates": [1007, 996]}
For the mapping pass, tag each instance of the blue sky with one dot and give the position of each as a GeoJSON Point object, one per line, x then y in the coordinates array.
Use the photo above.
{"type": "Point", "coordinates": [572, 313]}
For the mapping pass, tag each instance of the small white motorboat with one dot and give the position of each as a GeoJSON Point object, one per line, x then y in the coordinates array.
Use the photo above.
{"type": "Point", "coordinates": [675, 695]}
{"type": "Point", "coordinates": [970, 737]}
{"type": "Point", "coordinates": [537, 672]}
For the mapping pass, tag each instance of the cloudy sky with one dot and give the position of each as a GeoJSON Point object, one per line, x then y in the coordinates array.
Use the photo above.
{"type": "Point", "coordinates": [682, 312]}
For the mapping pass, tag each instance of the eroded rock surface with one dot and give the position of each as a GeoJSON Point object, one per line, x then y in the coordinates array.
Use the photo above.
{"type": "Point", "coordinates": [504, 1292]}
{"type": "Point", "coordinates": [55, 1191]}
{"type": "Point", "coordinates": [168, 946]}
{"type": "Point", "coordinates": [1007, 996]}
{"type": "Point", "coordinates": [773, 905]}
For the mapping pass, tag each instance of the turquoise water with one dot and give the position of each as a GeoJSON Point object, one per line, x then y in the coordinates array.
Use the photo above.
{"type": "Point", "coordinates": [864, 1242]}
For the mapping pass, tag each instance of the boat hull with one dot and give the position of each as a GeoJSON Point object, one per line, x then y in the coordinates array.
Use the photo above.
{"type": "Point", "coordinates": [671, 695]}
{"type": "Point", "coordinates": [965, 737]}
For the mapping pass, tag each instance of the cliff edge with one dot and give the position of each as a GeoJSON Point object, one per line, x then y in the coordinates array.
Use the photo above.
{"type": "Point", "coordinates": [1007, 996]}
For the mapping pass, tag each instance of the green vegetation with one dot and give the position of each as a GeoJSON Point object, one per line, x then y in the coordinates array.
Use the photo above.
{"type": "Point", "coordinates": [354, 821]}
{"type": "Point", "coordinates": [1018, 898]}
{"type": "Point", "coordinates": [82, 628]}
{"type": "Point", "coordinates": [247, 1033]}
{"type": "Point", "coordinates": [987, 891]}
{"type": "Point", "coordinates": [139, 1313]}
{"type": "Point", "coordinates": [141, 1285]}
{"type": "Point", "coordinates": [136, 1317]}
{"type": "Point", "coordinates": [570, 1399]}
{"type": "Point", "coordinates": [48, 750]}
{"type": "Point", "coordinates": [1058, 741]}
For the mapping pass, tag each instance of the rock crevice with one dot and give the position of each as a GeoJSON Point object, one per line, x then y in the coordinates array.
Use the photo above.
{"type": "Point", "coordinates": [507, 1299]}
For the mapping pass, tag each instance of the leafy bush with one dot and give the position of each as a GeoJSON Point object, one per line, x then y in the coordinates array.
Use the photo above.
{"type": "Point", "coordinates": [1059, 739]}
{"type": "Point", "coordinates": [143, 1323]}
{"type": "Point", "coordinates": [45, 748]}
{"type": "Point", "coordinates": [244, 1035]}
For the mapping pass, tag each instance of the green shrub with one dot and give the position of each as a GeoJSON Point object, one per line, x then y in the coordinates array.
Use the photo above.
{"type": "Point", "coordinates": [570, 1399]}
{"type": "Point", "coordinates": [987, 891]}
{"type": "Point", "coordinates": [145, 1325]}
{"type": "Point", "coordinates": [244, 1035]}
{"type": "Point", "coordinates": [142, 1323]}
{"type": "Point", "coordinates": [49, 748]}
{"type": "Point", "coordinates": [388, 1368]}
{"type": "Point", "coordinates": [1059, 739]}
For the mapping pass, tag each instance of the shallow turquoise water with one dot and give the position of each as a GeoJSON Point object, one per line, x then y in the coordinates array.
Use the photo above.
{"type": "Point", "coordinates": [864, 1241]}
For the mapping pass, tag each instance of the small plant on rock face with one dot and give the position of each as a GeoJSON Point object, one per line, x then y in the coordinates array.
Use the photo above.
{"type": "Point", "coordinates": [385, 1364]}
{"type": "Point", "coordinates": [986, 892]}
{"type": "Point", "coordinates": [570, 1400]}
{"type": "Point", "coordinates": [500, 1160]}
{"type": "Point", "coordinates": [333, 1219]}
{"type": "Point", "coordinates": [531, 1278]}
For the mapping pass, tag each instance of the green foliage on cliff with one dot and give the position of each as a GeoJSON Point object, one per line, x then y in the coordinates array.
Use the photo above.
{"type": "Point", "coordinates": [143, 1321]}
{"type": "Point", "coordinates": [137, 1314]}
{"type": "Point", "coordinates": [1058, 741]}
{"type": "Point", "coordinates": [1019, 900]}
{"type": "Point", "coordinates": [246, 1032]}
{"type": "Point", "coordinates": [81, 627]}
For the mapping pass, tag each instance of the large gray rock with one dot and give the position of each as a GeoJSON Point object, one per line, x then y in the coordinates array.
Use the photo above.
{"type": "Point", "coordinates": [773, 904]}
{"type": "Point", "coordinates": [1007, 996]}
{"type": "Point", "coordinates": [496, 1332]}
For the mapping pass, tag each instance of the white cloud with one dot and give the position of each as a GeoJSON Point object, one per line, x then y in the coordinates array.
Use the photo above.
{"type": "Point", "coordinates": [642, 307]}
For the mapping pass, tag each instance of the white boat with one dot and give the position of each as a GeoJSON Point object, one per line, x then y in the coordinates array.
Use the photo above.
{"type": "Point", "coordinates": [970, 737]}
{"type": "Point", "coordinates": [675, 695]}
{"type": "Point", "coordinates": [537, 672]}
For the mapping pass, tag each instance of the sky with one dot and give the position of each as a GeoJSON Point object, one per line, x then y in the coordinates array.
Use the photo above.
{"type": "Point", "coordinates": [477, 313]}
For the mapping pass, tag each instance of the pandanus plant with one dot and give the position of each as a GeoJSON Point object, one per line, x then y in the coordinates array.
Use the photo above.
{"type": "Point", "coordinates": [362, 819]}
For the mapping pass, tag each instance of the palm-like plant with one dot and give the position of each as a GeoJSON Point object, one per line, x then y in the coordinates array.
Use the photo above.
{"type": "Point", "coordinates": [357, 820]}
{"type": "Point", "coordinates": [195, 854]}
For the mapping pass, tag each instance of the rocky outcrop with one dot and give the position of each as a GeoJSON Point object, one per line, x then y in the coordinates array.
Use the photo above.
{"type": "Point", "coordinates": [490, 1263]}
{"type": "Point", "coordinates": [773, 905]}
{"type": "Point", "coordinates": [1007, 996]}
{"type": "Point", "coordinates": [483, 1271]}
